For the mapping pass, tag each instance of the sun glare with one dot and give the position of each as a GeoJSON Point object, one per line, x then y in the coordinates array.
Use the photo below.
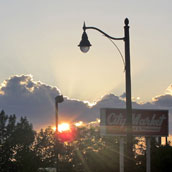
{"type": "Point", "coordinates": [54, 128]}
{"type": "Point", "coordinates": [62, 127]}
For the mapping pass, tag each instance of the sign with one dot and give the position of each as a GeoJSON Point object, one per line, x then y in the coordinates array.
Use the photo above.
{"type": "Point", "coordinates": [145, 122]}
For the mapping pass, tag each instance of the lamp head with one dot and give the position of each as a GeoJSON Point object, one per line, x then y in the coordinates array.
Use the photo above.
{"type": "Point", "coordinates": [59, 99]}
{"type": "Point", "coordinates": [85, 43]}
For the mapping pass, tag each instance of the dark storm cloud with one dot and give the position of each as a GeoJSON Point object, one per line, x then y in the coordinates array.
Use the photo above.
{"type": "Point", "coordinates": [23, 96]}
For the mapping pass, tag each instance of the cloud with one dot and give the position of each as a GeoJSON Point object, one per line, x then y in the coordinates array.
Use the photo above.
{"type": "Point", "coordinates": [23, 96]}
{"type": "Point", "coordinates": [123, 95]}
{"type": "Point", "coordinates": [163, 100]}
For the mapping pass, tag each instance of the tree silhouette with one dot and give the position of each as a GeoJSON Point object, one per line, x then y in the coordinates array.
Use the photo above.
{"type": "Point", "coordinates": [24, 150]}
{"type": "Point", "coordinates": [16, 139]}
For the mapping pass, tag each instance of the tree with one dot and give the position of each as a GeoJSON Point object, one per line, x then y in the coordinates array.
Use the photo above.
{"type": "Point", "coordinates": [24, 150]}
{"type": "Point", "coordinates": [161, 158]}
{"type": "Point", "coordinates": [7, 127]}
{"type": "Point", "coordinates": [15, 146]}
{"type": "Point", "coordinates": [90, 152]}
{"type": "Point", "coordinates": [44, 147]}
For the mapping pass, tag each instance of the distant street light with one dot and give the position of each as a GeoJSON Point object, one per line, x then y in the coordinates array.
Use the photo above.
{"type": "Point", "coordinates": [85, 46]}
{"type": "Point", "coordinates": [58, 99]}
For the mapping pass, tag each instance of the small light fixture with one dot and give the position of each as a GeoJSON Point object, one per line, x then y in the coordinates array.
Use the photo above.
{"type": "Point", "coordinates": [59, 99]}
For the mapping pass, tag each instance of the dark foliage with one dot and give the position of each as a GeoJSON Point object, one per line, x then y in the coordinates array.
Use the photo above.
{"type": "Point", "coordinates": [24, 150]}
{"type": "Point", "coordinates": [16, 139]}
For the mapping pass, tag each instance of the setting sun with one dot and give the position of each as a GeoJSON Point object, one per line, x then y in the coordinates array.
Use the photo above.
{"type": "Point", "coordinates": [62, 127]}
{"type": "Point", "coordinates": [66, 132]}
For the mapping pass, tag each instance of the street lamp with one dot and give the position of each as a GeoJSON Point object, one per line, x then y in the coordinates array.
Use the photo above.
{"type": "Point", "coordinates": [85, 43]}
{"type": "Point", "coordinates": [58, 99]}
{"type": "Point", "coordinates": [84, 46]}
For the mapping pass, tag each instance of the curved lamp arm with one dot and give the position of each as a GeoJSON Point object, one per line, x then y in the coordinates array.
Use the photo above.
{"type": "Point", "coordinates": [105, 34]}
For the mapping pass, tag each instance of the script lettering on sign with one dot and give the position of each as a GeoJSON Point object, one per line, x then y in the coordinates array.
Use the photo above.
{"type": "Point", "coordinates": [144, 122]}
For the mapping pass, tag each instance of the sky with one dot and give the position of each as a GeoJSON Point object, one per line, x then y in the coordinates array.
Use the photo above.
{"type": "Point", "coordinates": [39, 39]}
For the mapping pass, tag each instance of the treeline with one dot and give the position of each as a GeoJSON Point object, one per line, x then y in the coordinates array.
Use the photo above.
{"type": "Point", "coordinates": [24, 150]}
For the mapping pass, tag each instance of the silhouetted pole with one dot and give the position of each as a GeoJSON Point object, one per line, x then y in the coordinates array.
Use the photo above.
{"type": "Point", "coordinates": [148, 154]}
{"type": "Point", "coordinates": [84, 47]}
{"type": "Point", "coordinates": [56, 138]}
{"type": "Point", "coordinates": [58, 99]}
{"type": "Point", "coordinates": [166, 141]}
{"type": "Point", "coordinates": [129, 153]}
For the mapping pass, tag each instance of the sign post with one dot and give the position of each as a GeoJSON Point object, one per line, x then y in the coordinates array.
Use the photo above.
{"type": "Point", "coordinates": [148, 156]}
{"type": "Point", "coordinates": [121, 154]}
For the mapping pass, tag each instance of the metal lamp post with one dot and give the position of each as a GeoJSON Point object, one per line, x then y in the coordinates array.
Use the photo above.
{"type": "Point", "coordinates": [58, 99]}
{"type": "Point", "coordinates": [84, 46]}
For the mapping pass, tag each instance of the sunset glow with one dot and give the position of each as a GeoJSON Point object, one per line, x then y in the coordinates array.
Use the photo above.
{"type": "Point", "coordinates": [54, 128]}
{"type": "Point", "coordinates": [62, 127]}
